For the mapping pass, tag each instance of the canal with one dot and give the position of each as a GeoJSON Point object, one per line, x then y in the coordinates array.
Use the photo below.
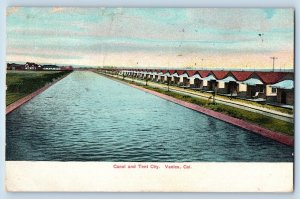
{"type": "Point", "coordinates": [87, 117]}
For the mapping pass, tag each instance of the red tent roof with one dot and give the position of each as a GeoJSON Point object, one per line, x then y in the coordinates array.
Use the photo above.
{"type": "Point", "coordinates": [172, 72]}
{"type": "Point", "coordinates": [220, 74]}
{"type": "Point", "coordinates": [180, 72]}
{"type": "Point", "coordinates": [204, 73]}
{"type": "Point", "coordinates": [164, 71]}
{"type": "Point", "coordinates": [271, 77]}
{"type": "Point", "coordinates": [191, 72]}
{"type": "Point", "coordinates": [241, 75]}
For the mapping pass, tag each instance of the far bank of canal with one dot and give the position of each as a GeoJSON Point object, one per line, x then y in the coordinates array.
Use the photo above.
{"type": "Point", "coordinates": [30, 85]}
{"type": "Point", "coordinates": [87, 117]}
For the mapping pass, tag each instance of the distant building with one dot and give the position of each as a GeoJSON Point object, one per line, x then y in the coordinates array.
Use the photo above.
{"type": "Point", "coordinates": [66, 68]}
{"type": "Point", "coordinates": [37, 67]}
{"type": "Point", "coordinates": [14, 66]}
{"type": "Point", "coordinates": [32, 66]}
{"type": "Point", "coordinates": [50, 67]}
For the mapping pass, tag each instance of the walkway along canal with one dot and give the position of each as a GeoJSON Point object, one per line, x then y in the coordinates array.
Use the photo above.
{"type": "Point", "coordinates": [87, 117]}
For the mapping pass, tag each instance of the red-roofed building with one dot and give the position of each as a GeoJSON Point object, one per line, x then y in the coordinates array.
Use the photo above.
{"type": "Point", "coordinates": [231, 85]}
{"type": "Point", "coordinates": [285, 94]}
{"type": "Point", "coordinates": [270, 77]}
{"type": "Point", "coordinates": [174, 77]}
{"type": "Point", "coordinates": [195, 78]}
{"type": "Point", "coordinates": [195, 82]}
{"type": "Point", "coordinates": [215, 84]}
{"type": "Point", "coordinates": [150, 74]}
{"type": "Point", "coordinates": [165, 77]}
{"type": "Point", "coordinates": [156, 77]}
{"type": "Point", "coordinates": [262, 88]}
{"type": "Point", "coordinates": [183, 78]}
{"type": "Point", "coordinates": [209, 82]}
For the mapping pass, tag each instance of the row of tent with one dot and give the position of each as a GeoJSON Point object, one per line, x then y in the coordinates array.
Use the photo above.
{"type": "Point", "coordinates": [282, 80]}
{"type": "Point", "coordinates": [271, 87]}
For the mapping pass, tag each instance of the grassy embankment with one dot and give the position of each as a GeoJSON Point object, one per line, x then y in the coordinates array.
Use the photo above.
{"type": "Point", "coordinates": [22, 83]}
{"type": "Point", "coordinates": [252, 117]}
{"type": "Point", "coordinates": [267, 106]}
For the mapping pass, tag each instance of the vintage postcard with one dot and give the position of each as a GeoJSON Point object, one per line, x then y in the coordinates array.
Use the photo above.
{"type": "Point", "coordinates": [150, 99]}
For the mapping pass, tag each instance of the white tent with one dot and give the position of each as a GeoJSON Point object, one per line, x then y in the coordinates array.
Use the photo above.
{"type": "Point", "coordinates": [285, 84]}
{"type": "Point", "coordinates": [196, 76]}
{"type": "Point", "coordinates": [209, 78]}
{"type": "Point", "coordinates": [253, 81]}
{"type": "Point", "coordinates": [227, 79]}
{"type": "Point", "coordinates": [175, 75]}
{"type": "Point", "coordinates": [167, 75]}
{"type": "Point", "coordinates": [184, 75]}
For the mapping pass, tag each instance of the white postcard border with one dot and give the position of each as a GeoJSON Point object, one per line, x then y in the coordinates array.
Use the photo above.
{"type": "Point", "coordinates": [118, 177]}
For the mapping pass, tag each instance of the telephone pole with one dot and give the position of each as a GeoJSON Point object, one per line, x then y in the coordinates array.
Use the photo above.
{"type": "Point", "coordinates": [273, 58]}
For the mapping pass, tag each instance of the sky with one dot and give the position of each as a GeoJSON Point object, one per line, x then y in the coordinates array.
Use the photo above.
{"type": "Point", "coordinates": [152, 37]}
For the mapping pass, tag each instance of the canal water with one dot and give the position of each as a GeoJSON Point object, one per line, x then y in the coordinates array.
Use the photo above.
{"type": "Point", "coordinates": [87, 117]}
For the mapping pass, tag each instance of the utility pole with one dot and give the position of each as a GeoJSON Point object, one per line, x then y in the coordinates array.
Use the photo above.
{"type": "Point", "coordinates": [273, 58]}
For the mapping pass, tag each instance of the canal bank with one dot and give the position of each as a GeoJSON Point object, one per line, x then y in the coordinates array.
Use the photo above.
{"type": "Point", "coordinates": [279, 137]}
{"type": "Point", "coordinates": [11, 107]}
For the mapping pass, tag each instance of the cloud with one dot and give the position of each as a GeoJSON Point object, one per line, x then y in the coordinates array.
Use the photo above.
{"type": "Point", "coordinates": [153, 32]}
